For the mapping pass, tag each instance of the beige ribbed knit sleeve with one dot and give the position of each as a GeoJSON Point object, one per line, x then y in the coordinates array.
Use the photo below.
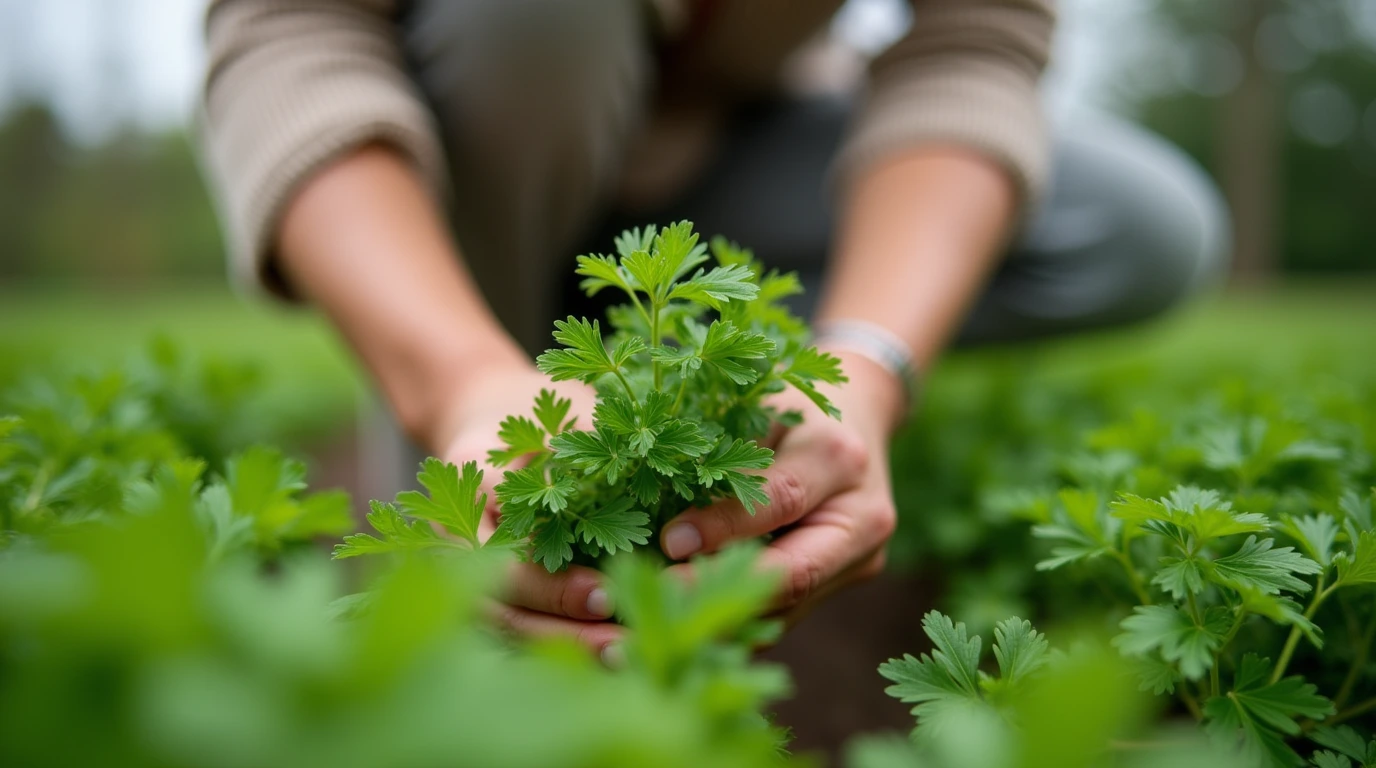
{"type": "Point", "coordinates": [291, 85]}
{"type": "Point", "coordinates": [966, 74]}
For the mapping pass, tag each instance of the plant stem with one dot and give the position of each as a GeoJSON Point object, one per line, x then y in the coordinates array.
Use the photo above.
{"type": "Point", "coordinates": [1134, 579]}
{"type": "Point", "coordinates": [37, 487]}
{"type": "Point", "coordinates": [626, 385]}
{"type": "Point", "coordinates": [639, 307]}
{"type": "Point", "coordinates": [1320, 594]}
{"type": "Point", "coordinates": [1358, 665]}
{"type": "Point", "coordinates": [654, 342]}
{"type": "Point", "coordinates": [678, 399]}
{"type": "Point", "coordinates": [1352, 711]}
{"type": "Point", "coordinates": [1190, 702]}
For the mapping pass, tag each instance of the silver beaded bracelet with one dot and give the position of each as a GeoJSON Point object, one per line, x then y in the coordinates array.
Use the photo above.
{"type": "Point", "coordinates": [875, 343]}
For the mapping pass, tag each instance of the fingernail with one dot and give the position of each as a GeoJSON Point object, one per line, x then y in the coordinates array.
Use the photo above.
{"type": "Point", "coordinates": [599, 602]}
{"type": "Point", "coordinates": [613, 655]}
{"type": "Point", "coordinates": [682, 540]}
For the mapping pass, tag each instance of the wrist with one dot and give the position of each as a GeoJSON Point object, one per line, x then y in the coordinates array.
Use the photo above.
{"type": "Point", "coordinates": [430, 405]}
{"type": "Point", "coordinates": [874, 399]}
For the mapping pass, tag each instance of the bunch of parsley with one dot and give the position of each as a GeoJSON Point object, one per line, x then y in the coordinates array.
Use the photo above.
{"type": "Point", "coordinates": [683, 378]}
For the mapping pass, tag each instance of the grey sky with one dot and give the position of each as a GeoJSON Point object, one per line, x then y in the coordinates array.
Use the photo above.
{"type": "Point", "coordinates": [103, 62]}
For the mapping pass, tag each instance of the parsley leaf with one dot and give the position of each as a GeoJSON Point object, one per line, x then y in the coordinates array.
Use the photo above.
{"type": "Point", "coordinates": [1257, 715]}
{"type": "Point", "coordinates": [453, 501]}
{"type": "Point", "coordinates": [615, 526]}
{"type": "Point", "coordinates": [530, 486]}
{"type": "Point", "coordinates": [521, 436]}
{"type": "Point", "coordinates": [1175, 635]}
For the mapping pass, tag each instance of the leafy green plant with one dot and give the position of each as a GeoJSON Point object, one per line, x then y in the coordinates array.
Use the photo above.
{"type": "Point", "coordinates": [155, 613]}
{"type": "Point", "coordinates": [682, 382]}
{"type": "Point", "coordinates": [1222, 529]}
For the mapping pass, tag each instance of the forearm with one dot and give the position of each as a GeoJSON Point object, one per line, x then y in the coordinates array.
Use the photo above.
{"type": "Point", "coordinates": [918, 236]}
{"type": "Point", "coordinates": [364, 241]}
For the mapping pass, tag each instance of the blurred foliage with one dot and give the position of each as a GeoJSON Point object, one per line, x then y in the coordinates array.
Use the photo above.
{"type": "Point", "coordinates": [1277, 413]}
{"type": "Point", "coordinates": [160, 607]}
{"type": "Point", "coordinates": [306, 387]}
{"type": "Point", "coordinates": [1319, 57]}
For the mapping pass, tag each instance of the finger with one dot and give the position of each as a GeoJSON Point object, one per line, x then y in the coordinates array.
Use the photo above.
{"type": "Point", "coordinates": [601, 637]}
{"type": "Point", "coordinates": [811, 467]}
{"type": "Point", "coordinates": [576, 593]}
{"type": "Point", "coordinates": [865, 570]}
{"type": "Point", "coordinates": [829, 543]}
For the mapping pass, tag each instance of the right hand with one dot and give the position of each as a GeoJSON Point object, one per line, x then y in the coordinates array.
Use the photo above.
{"type": "Point", "coordinates": [536, 603]}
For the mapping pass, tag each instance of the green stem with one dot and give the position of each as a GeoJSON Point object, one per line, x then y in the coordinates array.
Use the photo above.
{"type": "Point", "coordinates": [1190, 702]}
{"type": "Point", "coordinates": [654, 342]}
{"type": "Point", "coordinates": [1214, 688]}
{"type": "Point", "coordinates": [1352, 711]}
{"type": "Point", "coordinates": [1320, 594]}
{"type": "Point", "coordinates": [626, 385]}
{"type": "Point", "coordinates": [639, 307]}
{"type": "Point", "coordinates": [1358, 665]}
{"type": "Point", "coordinates": [678, 399]}
{"type": "Point", "coordinates": [36, 489]}
{"type": "Point", "coordinates": [1134, 579]}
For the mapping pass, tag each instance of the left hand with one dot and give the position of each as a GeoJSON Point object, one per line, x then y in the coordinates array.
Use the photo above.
{"type": "Point", "coordinates": [829, 488]}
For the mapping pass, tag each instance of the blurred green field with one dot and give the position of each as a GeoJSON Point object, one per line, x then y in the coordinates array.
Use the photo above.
{"type": "Point", "coordinates": [314, 388]}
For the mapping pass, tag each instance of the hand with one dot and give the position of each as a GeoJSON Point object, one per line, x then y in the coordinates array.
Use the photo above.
{"type": "Point", "coordinates": [830, 497]}
{"type": "Point", "coordinates": [536, 603]}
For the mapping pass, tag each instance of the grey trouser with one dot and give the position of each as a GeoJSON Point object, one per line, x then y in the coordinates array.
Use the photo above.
{"type": "Point", "coordinates": [537, 101]}
{"type": "Point", "coordinates": [1127, 227]}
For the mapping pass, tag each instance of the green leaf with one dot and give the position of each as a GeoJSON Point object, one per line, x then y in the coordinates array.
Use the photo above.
{"type": "Point", "coordinates": [551, 411]}
{"type": "Point", "coordinates": [453, 501]}
{"type": "Point", "coordinates": [618, 414]}
{"type": "Point", "coordinates": [1356, 509]}
{"type": "Point", "coordinates": [1359, 567]}
{"type": "Point", "coordinates": [1257, 714]}
{"type": "Point", "coordinates": [521, 436]}
{"type": "Point", "coordinates": [1345, 740]}
{"type": "Point", "coordinates": [614, 526]}
{"type": "Point", "coordinates": [949, 675]}
{"type": "Point", "coordinates": [735, 282]}
{"type": "Point", "coordinates": [261, 477]}
{"type": "Point", "coordinates": [530, 486]}
{"type": "Point", "coordinates": [722, 347]}
{"type": "Point", "coordinates": [634, 239]}
{"type": "Point", "coordinates": [1281, 610]}
{"type": "Point", "coordinates": [599, 452]}
{"type": "Point", "coordinates": [602, 272]}
{"type": "Point", "coordinates": [398, 535]}
{"type": "Point", "coordinates": [727, 462]}
{"type": "Point", "coordinates": [1020, 649]}
{"type": "Point", "coordinates": [1199, 512]}
{"type": "Point", "coordinates": [1175, 635]}
{"type": "Point", "coordinates": [1257, 565]}
{"type": "Point", "coordinates": [552, 545]}
{"type": "Point", "coordinates": [585, 357]}
{"type": "Point", "coordinates": [1181, 577]}
{"type": "Point", "coordinates": [677, 245]}
{"type": "Point", "coordinates": [675, 443]}
{"type": "Point", "coordinates": [1315, 533]}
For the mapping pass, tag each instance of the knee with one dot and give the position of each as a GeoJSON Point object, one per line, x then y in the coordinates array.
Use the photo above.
{"type": "Point", "coordinates": [519, 72]}
{"type": "Point", "coordinates": [1173, 228]}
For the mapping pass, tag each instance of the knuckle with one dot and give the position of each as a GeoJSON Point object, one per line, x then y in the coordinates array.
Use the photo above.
{"type": "Point", "coordinates": [875, 566]}
{"type": "Point", "coordinates": [787, 496]}
{"type": "Point", "coordinates": [884, 521]}
{"type": "Point", "coordinates": [847, 451]}
{"type": "Point", "coordinates": [571, 598]}
{"type": "Point", "coordinates": [804, 577]}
